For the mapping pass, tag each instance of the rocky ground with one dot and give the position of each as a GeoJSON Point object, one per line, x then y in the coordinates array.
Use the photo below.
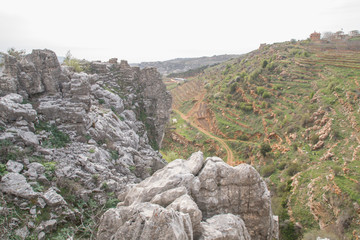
{"type": "Point", "coordinates": [194, 199]}
{"type": "Point", "coordinates": [70, 142]}
{"type": "Point", "coordinates": [73, 146]}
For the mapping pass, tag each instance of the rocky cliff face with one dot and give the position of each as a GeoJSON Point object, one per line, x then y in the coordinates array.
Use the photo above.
{"type": "Point", "coordinates": [194, 199]}
{"type": "Point", "coordinates": [70, 142]}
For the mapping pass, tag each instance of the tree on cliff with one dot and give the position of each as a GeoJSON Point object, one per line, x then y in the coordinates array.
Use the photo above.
{"type": "Point", "coordinates": [16, 53]}
{"type": "Point", "coordinates": [73, 62]}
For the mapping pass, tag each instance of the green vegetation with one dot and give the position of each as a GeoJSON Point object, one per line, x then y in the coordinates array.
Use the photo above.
{"type": "Point", "coordinates": [16, 53]}
{"type": "Point", "coordinates": [73, 62]}
{"type": "Point", "coordinates": [272, 107]}
{"type": "Point", "coordinates": [57, 139]}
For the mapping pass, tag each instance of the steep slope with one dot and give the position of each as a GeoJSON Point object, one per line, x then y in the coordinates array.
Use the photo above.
{"type": "Point", "coordinates": [292, 111]}
{"type": "Point", "coordinates": [71, 142]}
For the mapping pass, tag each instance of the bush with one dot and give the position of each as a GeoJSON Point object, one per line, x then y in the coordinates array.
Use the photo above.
{"type": "Point", "coordinates": [314, 139]}
{"type": "Point", "coordinates": [337, 170]}
{"type": "Point", "coordinates": [264, 64]}
{"type": "Point", "coordinates": [292, 169]}
{"type": "Point", "coordinates": [260, 90]}
{"type": "Point", "coordinates": [101, 101]}
{"type": "Point", "coordinates": [233, 87]}
{"type": "Point", "coordinates": [73, 62]}
{"type": "Point", "coordinates": [265, 148]}
{"type": "Point", "coordinates": [266, 95]}
{"type": "Point", "coordinates": [16, 53]}
{"type": "Point", "coordinates": [268, 170]}
{"type": "Point", "coordinates": [57, 139]}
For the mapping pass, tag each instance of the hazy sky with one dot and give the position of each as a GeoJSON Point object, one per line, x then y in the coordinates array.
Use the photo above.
{"type": "Point", "coordinates": [151, 30]}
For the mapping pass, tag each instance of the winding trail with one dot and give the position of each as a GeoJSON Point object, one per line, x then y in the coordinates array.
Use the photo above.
{"type": "Point", "coordinates": [230, 156]}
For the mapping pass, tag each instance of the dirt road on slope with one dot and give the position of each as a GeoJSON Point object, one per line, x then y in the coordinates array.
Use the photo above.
{"type": "Point", "coordinates": [230, 157]}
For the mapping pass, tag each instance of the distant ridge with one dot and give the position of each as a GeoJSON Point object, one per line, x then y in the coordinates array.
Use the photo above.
{"type": "Point", "coordinates": [184, 64]}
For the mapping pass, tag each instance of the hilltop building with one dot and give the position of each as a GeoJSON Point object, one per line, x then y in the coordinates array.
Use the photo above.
{"type": "Point", "coordinates": [354, 33]}
{"type": "Point", "coordinates": [315, 36]}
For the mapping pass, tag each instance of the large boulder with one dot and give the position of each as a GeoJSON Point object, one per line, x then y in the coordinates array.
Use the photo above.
{"type": "Point", "coordinates": [224, 227]}
{"type": "Point", "coordinates": [16, 184]}
{"type": "Point", "coordinates": [223, 202]}
{"type": "Point", "coordinates": [144, 221]}
{"type": "Point", "coordinates": [238, 190]}
{"type": "Point", "coordinates": [11, 109]}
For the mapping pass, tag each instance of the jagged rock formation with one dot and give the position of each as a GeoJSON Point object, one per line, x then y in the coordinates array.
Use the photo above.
{"type": "Point", "coordinates": [194, 199]}
{"type": "Point", "coordinates": [68, 137]}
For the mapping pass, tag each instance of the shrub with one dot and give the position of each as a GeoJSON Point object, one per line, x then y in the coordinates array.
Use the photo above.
{"type": "Point", "coordinates": [260, 90]}
{"type": "Point", "coordinates": [233, 87]}
{"type": "Point", "coordinates": [73, 62]}
{"type": "Point", "coordinates": [268, 170]}
{"type": "Point", "coordinates": [265, 148]}
{"type": "Point", "coordinates": [266, 95]}
{"type": "Point", "coordinates": [114, 154]}
{"type": "Point", "coordinates": [264, 64]}
{"type": "Point", "coordinates": [292, 169]}
{"type": "Point", "coordinates": [57, 139]}
{"type": "Point", "coordinates": [101, 101]}
{"type": "Point", "coordinates": [16, 53]}
{"type": "Point", "coordinates": [314, 138]}
{"type": "Point", "coordinates": [2, 169]}
{"type": "Point", "coordinates": [337, 170]}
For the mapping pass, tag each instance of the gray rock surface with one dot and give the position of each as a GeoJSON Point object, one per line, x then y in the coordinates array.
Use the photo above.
{"type": "Point", "coordinates": [22, 232]}
{"type": "Point", "coordinates": [52, 198]}
{"type": "Point", "coordinates": [13, 166]}
{"type": "Point", "coordinates": [144, 221]}
{"type": "Point", "coordinates": [238, 190]}
{"type": "Point", "coordinates": [83, 137]}
{"type": "Point", "coordinates": [223, 202]}
{"type": "Point", "coordinates": [11, 109]}
{"type": "Point", "coordinates": [16, 184]}
{"type": "Point", "coordinates": [224, 227]}
{"type": "Point", "coordinates": [186, 204]}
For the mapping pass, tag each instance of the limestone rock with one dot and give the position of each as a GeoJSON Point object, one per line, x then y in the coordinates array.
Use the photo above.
{"type": "Point", "coordinates": [185, 204]}
{"type": "Point", "coordinates": [29, 138]}
{"type": "Point", "coordinates": [238, 190]}
{"type": "Point", "coordinates": [227, 198]}
{"type": "Point", "coordinates": [110, 99]}
{"type": "Point", "coordinates": [165, 198]}
{"type": "Point", "coordinates": [22, 232]}
{"type": "Point", "coordinates": [144, 221]}
{"type": "Point", "coordinates": [34, 170]}
{"type": "Point", "coordinates": [12, 109]}
{"type": "Point", "coordinates": [224, 227]}
{"type": "Point", "coordinates": [16, 184]}
{"type": "Point", "coordinates": [52, 198]}
{"type": "Point", "coordinates": [157, 101]}
{"type": "Point", "coordinates": [46, 226]}
{"type": "Point", "coordinates": [14, 167]}
{"type": "Point", "coordinates": [173, 175]}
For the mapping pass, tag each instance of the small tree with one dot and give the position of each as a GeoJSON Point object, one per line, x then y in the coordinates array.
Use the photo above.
{"type": "Point", "coordinates": [327, 35]}
{"type": "Point", "coordinates": [265, 148]}
{"type": "Point", "coordinates": [73, 62]}
{"type": "Point", "coordinates": [16, 53]}
{"type": "Point", "coordinates": [264, 63]}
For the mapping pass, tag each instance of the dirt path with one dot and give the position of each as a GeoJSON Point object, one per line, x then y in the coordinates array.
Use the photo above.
{"type": "Point", "coordinates": [230, 157]}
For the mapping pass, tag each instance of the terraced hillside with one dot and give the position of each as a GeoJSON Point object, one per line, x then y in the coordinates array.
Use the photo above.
{"type": "Point", "coordinates": [292, 111]}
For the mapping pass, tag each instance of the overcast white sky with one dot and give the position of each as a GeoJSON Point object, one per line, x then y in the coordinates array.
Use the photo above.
{"type": "Point", "coordinates": [151, 30]}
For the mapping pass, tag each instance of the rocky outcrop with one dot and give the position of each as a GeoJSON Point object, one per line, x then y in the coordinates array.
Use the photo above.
{"type": "Point", "coordinates": [70, 142]}
{"type": "Point", "coordinates": [222, 202]}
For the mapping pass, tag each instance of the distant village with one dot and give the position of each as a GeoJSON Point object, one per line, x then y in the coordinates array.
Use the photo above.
{"type": "Point", "coordinates": [337, 36]}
